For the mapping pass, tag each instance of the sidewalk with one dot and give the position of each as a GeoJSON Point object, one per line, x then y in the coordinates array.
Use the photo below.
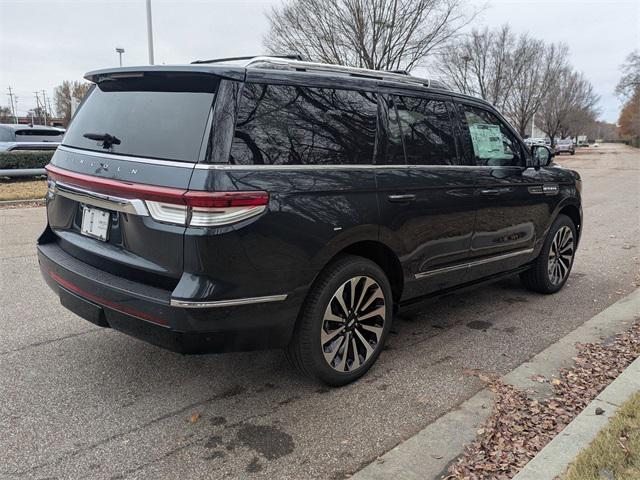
{"type": "Point", "coordinates": [429, 453]}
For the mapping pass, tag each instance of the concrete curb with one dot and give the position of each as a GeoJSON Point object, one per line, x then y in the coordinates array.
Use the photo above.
{"type": "Point", "coordinates": [554, 459]}
{"type": "Point", "coordinates": [428, 453]}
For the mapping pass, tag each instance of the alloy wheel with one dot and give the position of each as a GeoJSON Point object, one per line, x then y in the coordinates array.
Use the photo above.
{"type": "Point", "coordinates": [353, 324]}
{"type": "Point", "coordinates": [560, 255]}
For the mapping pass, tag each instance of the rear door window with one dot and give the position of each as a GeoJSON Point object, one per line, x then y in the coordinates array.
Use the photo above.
{"type": "Point", "coordinates": [157, 116]}
{"type": "Point", "coordinates": [294, 125]}
{"type": "Point", "coordinates": [423, 127]}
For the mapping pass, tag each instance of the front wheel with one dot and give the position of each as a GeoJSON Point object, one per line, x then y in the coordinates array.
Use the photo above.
{"type": "Point", "coordinates": [551, 269]}
{"type": "Point", "coordinates": [344, 322]}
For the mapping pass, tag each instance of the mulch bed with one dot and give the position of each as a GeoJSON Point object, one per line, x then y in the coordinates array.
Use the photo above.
{"type": "Point", "coordinates": [520, 426]}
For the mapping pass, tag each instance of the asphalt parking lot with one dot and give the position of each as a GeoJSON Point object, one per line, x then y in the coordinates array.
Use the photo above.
{"type": "Point", "coordinates": [81, 402]}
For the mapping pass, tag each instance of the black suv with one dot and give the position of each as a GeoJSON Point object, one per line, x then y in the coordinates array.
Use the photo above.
{"type": "Point", "coordinates": [268, 202]}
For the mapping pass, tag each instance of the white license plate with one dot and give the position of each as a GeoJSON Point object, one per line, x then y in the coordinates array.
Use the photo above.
{"type": "Point", "coordinates": [95, 223]}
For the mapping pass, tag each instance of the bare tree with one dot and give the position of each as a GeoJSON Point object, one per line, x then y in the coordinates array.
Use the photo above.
{"type": "Point", "coordinates": [63, 93]}
{"type": "Point", "coordinates": [571, 93]}
{"type": "Point", "coordinates": [37, 115]}
{"type": "Point", "coordinates": [376, 34]}
{"type": "Point", "coordinates": [513, 72]}
{"type": "Point", "coordinates": [543, 66]}
{"type": "Point", "coordinates": [629, 120]}
{"type": "Point", "coordinates": [6, 115]}
{"type": "Point", "coordinates": [630, 80]}
{"type": "Point", "coordinates": [577, 122]}
{"type": "Point", "coordinates": [487, 63]}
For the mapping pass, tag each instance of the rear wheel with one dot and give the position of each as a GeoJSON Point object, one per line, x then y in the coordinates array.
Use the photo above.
{"type": "Point", "coordinates": [551, 269]}
{"type": "Point", "coordinates": [344, 322]}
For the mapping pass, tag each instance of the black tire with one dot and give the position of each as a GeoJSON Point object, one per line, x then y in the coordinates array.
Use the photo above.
{"type": "Point", "coordinates": [538, 278]}
{"type": "Point", "coordinates": [306, 351]}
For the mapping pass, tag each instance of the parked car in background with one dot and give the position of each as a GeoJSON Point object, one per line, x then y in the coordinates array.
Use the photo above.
{"type": "Point", "coordinates": [269, 202]}
{"type": "Point", "coordinates": [531, 141]}
{"type": "Point", "coordinates": [26, 137]}
{"type": "Point", "coordinates": [10, 132]}
{"type": "Point", "coordinates": [565, 146]}
{"type": "Point", "coordinates": [16, 146]}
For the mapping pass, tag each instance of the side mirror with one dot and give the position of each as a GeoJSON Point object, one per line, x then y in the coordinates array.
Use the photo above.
{"type": "Point", "coordinates": [542, 156]}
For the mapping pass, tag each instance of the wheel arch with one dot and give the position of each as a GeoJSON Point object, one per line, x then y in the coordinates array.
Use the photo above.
{"type": "Point", "coordinates": [385, 258]}
{"type": "Point", "coordinates": [575, 214]}
{"type": "Point", "coordinates": [380, 254]}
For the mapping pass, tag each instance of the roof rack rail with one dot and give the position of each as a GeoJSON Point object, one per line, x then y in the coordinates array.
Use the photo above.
{"type": "Point", "coordinates": [400, 76]}
{"type": "Point", "coordinates": [233, 59]}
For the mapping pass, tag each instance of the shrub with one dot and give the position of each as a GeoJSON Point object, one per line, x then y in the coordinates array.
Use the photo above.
{"type": "Point", "coordinates": [25, 159]}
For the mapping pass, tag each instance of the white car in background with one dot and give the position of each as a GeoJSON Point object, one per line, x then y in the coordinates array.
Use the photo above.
{"type": "Point", "coordinates": [29, 137]}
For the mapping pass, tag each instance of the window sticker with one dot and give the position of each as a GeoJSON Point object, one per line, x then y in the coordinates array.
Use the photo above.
{"type": "Point", "coordinates": [487, 140]}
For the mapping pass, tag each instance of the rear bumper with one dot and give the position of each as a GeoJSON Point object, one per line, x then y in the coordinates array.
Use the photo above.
{"type": "Point", "coordinates": [147, 312]}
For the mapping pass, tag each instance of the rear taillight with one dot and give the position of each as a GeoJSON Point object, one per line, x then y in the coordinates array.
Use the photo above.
{"type": "Point", "coordinates": [173, 205]}
{"type": "Point", "coordinates": [209, 209]}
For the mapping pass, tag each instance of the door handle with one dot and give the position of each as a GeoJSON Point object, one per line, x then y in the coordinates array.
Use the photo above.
{"type": "Point", "coordinates": [404, 198]}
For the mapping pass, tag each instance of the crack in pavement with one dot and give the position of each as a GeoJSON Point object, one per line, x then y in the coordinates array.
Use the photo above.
{"type": "Point", "coordinates": [48, 342]}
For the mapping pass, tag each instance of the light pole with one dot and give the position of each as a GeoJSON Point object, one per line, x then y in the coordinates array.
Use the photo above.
{"type": "Point", "coordinates": [533, 123]}
{"type": "Point", "coordinates": [149, 32]}
{"type": "Point", "coordinates": [466, 59]}
{"type": "Point", "coordinates": [120, 51]}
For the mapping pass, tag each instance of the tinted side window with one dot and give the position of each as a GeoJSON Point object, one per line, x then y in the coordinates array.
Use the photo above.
{"type": "Point", "coordinates": [487, 138]}
{"type": "Point", "coordinates": [426, 130]}
{"type": "Point", "coordinates": [394, 142]}
{"type": "Point", "coordinates": [38, 133]}
{"type": "Point", "coordinates": [288, 125]}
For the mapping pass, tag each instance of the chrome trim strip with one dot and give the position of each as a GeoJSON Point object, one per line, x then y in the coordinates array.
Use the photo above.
{"type": "Point", "coordinates": [227, 303]}
{"type": "Point", "coordinates": [127, 158]}
{"type": "Point", "coordinates": [438, 271]}
{"type": "Point", "coordinates": [226, 166]}
{"type": "Point", "coordinates": [475, 263]}
{"type": "Point", "coordinates": [108, 202]}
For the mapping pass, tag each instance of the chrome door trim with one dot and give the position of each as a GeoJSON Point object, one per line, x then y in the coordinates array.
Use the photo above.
{"type": "Point", "coordinates": [227, 303]}
{"type": "Point", "coordinates": [475, 263]}
{"type": "Point", "coordinates": [227, 166]}
{"type": "Point", "coordinates": [100, 200]}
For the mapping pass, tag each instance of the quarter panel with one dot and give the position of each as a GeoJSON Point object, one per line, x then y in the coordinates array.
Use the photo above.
{"type": "Point", "coordinates": [313, 213]}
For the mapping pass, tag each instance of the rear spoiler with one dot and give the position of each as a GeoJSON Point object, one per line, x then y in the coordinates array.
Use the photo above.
{"type": "Point", "coordinates": [223, 71]}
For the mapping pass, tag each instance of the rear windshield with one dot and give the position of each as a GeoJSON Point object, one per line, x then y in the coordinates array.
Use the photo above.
{"type": "Point", "coordinates": [38, 133]}
{"type": "Point", "coordinates": [152, 115]}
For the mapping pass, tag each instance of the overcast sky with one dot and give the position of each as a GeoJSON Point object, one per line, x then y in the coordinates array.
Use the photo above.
{"type": "Point", "coordinates": [45, 42]}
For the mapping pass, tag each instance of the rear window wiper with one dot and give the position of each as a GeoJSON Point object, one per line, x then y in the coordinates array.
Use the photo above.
{"type": "Point", "coordinates": [106, 139]}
